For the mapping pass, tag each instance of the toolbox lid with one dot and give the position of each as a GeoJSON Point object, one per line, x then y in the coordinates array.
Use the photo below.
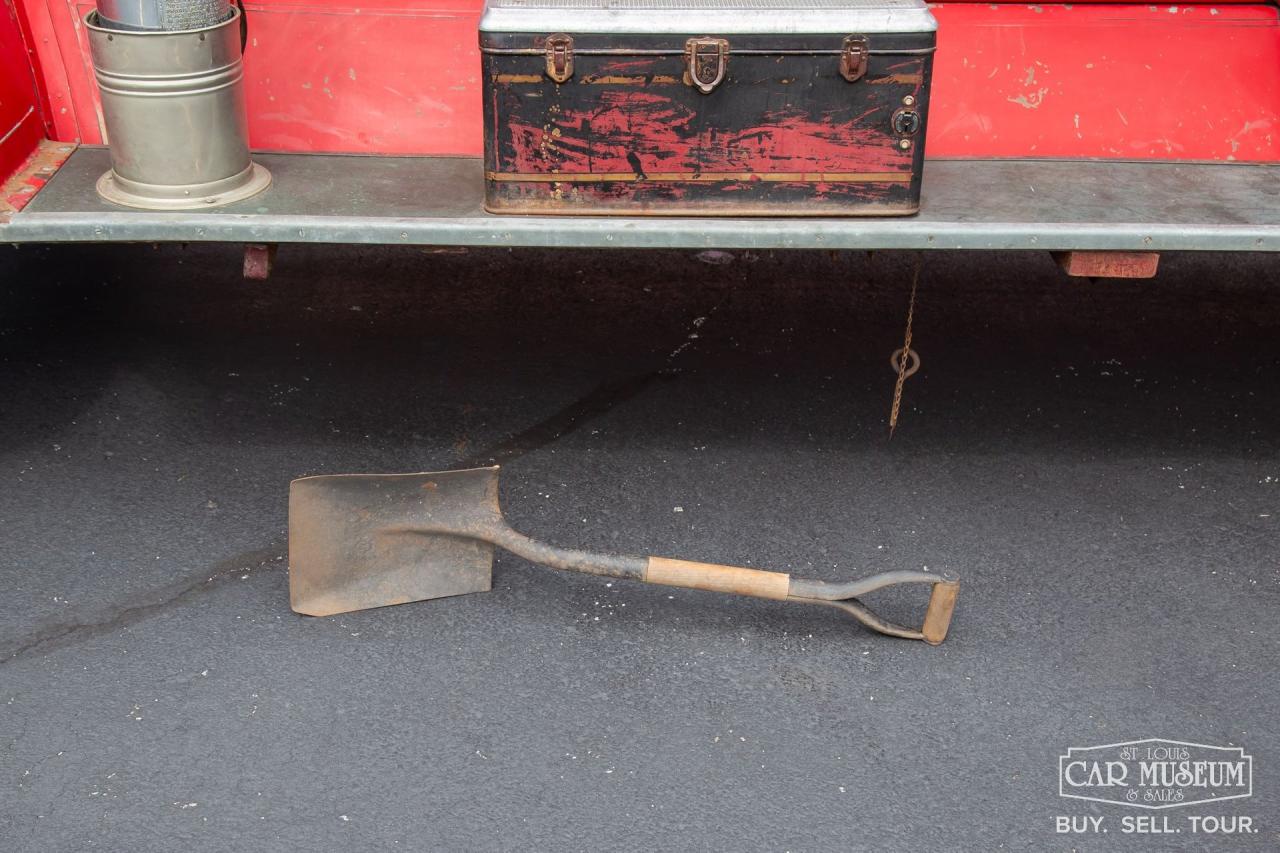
{"type": "Point", "coordinates": [721, 17]}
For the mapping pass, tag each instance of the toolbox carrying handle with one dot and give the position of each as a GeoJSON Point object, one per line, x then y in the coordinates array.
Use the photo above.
{"type": "Point", "coordinates": [706, 58]}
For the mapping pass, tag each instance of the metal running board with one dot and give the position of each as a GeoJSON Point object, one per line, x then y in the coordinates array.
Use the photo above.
{"type": "Point", "coordinates": [968, 204]}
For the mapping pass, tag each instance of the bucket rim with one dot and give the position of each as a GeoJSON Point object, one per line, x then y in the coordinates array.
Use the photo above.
{"type": "Point", "coordinates": [91, 20]}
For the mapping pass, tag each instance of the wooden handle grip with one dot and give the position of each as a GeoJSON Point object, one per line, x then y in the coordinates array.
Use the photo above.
{"type": "Point", "coordinates": [715, 578]}
{"type": "Point", "coordinates": [937, 619]}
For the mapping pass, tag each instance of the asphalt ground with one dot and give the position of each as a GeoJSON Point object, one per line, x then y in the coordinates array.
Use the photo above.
{"type": "Point", "coordinates": [1098, 461]}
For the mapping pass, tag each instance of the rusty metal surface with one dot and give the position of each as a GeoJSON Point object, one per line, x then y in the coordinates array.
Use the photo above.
{"type": "Point", "coordinates": [21, 187]}
{"type": "Point", "coordinates": [358, 541]}
{"type": "Point", "coordinates": [259, 258]}
{"type": "Point", "coordinates": [1109, 264]}
{"type": "Point", "coordinates": [713, 125]}
{"type": "Point", "coordinates": [972, 204]}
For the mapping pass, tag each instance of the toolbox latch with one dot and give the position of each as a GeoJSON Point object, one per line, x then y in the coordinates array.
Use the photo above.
{"type": "Point", "coordinates": [559, 57]}
{"type": "Point", "coordinates": [706, 59]}
{"type": "Point", "coordinates": [853, 58]}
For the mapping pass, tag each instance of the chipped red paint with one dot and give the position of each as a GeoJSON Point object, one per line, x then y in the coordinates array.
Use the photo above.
{"type": "Point", "coordinates": [30, 177]}
{"type": "Point", "coordinates": [403, 77]}
{"type": "Point", "coordinates": [664, 138]}
{"type": "Point", "coordinates": [322, 75]}
{"type": "Point", "coordinates": [782, 134]}
{"type": "Point", "coordinates": [397, 77]}
{"type": "Point", "coordinates": [60, 54]}
{"type": "Point", "coordinates": [20, 116]}
{"type": "Point", "coordinates": [1109, 264]}
{"type": "Point", "coordinates": [1116, 82]}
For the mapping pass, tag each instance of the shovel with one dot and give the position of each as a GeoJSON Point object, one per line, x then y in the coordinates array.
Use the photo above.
{"type": "Point", "coordinates": [368, 540]}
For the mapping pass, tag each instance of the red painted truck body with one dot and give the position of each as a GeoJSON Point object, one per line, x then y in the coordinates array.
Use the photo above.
{"type": "Point", "coordinates": [1199, 82]}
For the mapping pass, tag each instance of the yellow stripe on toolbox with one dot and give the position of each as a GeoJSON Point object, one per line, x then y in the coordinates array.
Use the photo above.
{"type": "Point", "coordinates": [909, 79]}
{"type": "Point", "coordinates": [605, 80]}
{"type": "Point", "coordinates": [703, 177]}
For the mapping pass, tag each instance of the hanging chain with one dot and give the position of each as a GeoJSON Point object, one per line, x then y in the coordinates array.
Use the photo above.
{"type": "Point", "coordinates": [906, 361]}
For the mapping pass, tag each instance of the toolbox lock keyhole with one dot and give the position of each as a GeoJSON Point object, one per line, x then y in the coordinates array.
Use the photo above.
{"type": "Point", "coordinates": [906, 122]}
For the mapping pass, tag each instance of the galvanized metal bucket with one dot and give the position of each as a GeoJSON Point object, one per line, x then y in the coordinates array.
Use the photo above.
{"type": "Point", "coordinates": [173, 104]}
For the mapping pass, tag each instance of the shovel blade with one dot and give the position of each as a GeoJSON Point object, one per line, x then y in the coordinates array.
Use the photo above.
{"type": "Point", "coordinates": [358, 541]}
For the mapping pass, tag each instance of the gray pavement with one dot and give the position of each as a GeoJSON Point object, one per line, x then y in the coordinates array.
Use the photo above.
{"type": "Point", "coordinates": [1100, 462]}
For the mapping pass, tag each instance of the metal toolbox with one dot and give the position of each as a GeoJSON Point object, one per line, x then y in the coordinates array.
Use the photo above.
{"type": "Point", "coordinates": [731, 107]}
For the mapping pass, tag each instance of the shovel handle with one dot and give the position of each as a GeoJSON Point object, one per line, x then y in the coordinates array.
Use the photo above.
{"type": "Point", "coordinates": [737, 580]}
{"type": "Point", "coordinates": [782, 587]}
{"type": "Point", "coordinates": [942, 603]}
{"type": "Point", "coordinates": [714, 578]}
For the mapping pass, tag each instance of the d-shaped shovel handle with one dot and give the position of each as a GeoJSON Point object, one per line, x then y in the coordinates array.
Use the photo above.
{"type": "Point", "coordinates": [782, 587]}
{"type": "Point", "coordinates": [942, 603]}
{"type": "Point", "coordinates": [752, 582]}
